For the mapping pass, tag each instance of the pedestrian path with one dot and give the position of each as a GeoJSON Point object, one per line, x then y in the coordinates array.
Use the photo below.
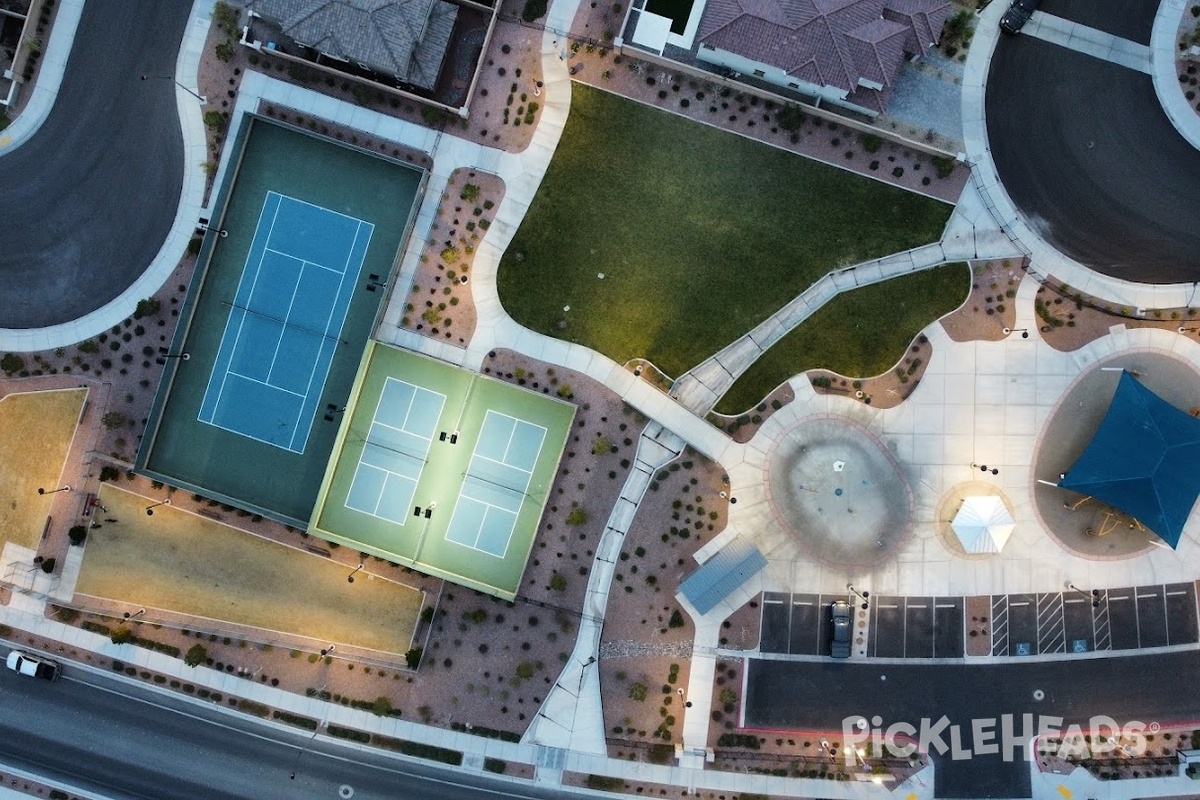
{"type": "Point", "coordinates": [1089, 41]}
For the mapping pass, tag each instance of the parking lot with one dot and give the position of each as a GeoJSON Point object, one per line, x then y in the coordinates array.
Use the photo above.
{"type": "Point", "coordinates": [797, 624]}
{"type": "Point", "coordinates": [916, 627]}
{"type": "Point", "coordinates": [1078, 621]}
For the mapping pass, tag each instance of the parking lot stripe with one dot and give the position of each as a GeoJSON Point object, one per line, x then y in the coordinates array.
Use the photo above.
{"type": "Point", "coordinates": [1000, 625]}
{"type": "Point", "coordinates": [1101, 631]}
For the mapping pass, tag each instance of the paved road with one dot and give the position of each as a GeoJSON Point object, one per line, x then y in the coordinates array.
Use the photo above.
{"type": "Point", "coordinates": [86, 203]}
{"type": "Point", "coordinates": [1127, 19]}
{"type": "Point", "coordinates": [122, 747]}
{"type": "Point", "coordinates": [820, 696]}
{"type": "Point", "coordinates": [1086, 152]}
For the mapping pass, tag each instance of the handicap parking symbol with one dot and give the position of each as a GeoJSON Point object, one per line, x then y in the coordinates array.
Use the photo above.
{"type": "Point", "coordinates": [1024, 649]}
{"type": "Point", "coordinates": [1079, 646]}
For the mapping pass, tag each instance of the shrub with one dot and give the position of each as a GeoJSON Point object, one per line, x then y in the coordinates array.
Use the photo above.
{"type": "Point", "coordinates": [196, 655]}
{"type": "Point", "coordinates": [660, 753]}
{"type": "Point", "coordinates": [113, 420]}
{"type": "Point", "coordinates": [602, 444]}
{"type": "Point", "coordinates": [251, 707]}
{"type": "Point", "coordinates": [558, 582]}
{"type": "Point", "coordinates": [745, 740]}
{"type": "Point", "coordinates": [413, 657]}
{"type": "Point", "coordinates": [77, 534]}
{"type": "Point", "coordinates": [496, 765]}
{"type": "Point", "coordinates": [871, 142]}
{"type": "Point", "coordinates": [122, 634]}
{"type": "Point", "coordinates": [534, 9]}
{"type": "Point", "coordinates": [48, 566]}
{"type": "Point", "coordinates": [470, 193]}
{"type": "Point", "coordinates": [381, 707]}
{"type": "Point", "coordinates": [12, 363]}
{"type": "Point", "coordinates": [524, 670]}
{"type": "Point", "coordinates": [224, 52]}
{"type": "Point", "coordinates": [338, 732]}
{"type": "Point", "coordinates": [790, 118]}
{"type": "Point", "coordinates": [944, 166]}
{"type": "Point", "coordinates": [90, 346]}
{"type": "Point", "coordinates": [638, 692]}
{"type": "Point", "coordinates": [109, 474]}
{"type": "Point", "coordinates": [676, 619]}
{"type": "Point", "coordinates": [307, 723]}
{"type": "Point", "coordinates": [577, 516]}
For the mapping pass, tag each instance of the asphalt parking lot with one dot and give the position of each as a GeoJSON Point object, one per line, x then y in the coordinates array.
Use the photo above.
{"type": "Point", "coordinates": [796, 624]}
{"type": "Point", "coordinates": [1078, 621]}
{"type": "Point", "coordinates": [916, 627]}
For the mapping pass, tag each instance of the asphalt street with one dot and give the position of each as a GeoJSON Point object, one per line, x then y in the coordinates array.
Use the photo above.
{"type": "Point", "coordinates": [87, 202]}
{"type": "Point", "coordinates": [1127, 19]}
{"type": "Point", "coordinates": [821, 696]}
{"type": "Point", "coordinates": [123, 747]}
{"type": "Point", "coordinates": [1085, 151]}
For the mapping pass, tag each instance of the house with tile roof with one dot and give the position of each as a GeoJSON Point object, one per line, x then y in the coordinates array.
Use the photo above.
{"type": "Point", "coordinates": [402, 39]}
{"type": "Point", "coordinates": [848, 52]}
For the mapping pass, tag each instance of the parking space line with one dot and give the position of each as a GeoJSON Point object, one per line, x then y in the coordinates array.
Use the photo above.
{"type": "Point", "coordinates": [1000, 625]}
{"type": "Point", "coordinates": [1050, 623]}
{"type": "Point", "coordinates": [1101, 627]}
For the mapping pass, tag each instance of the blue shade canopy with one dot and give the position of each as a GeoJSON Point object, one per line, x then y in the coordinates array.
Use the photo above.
{"type": "Point", "coordinates": [1142, 460]}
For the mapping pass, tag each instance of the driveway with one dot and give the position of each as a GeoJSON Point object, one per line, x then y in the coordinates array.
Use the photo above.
{"type": "Point", "coordinates": [1086, 153]}
{"type": "Point", "coordinates": [87, 202]}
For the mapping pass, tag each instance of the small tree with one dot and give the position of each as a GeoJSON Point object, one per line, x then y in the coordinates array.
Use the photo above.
{"type": "Point", "coordinates": [382, 707]}
{"type": "Point", "coordinates": [577, 516]}
{"type": "Point", "coordinates": [676, 619]}
{"type": "Point", "coordinates": [146, 308]}
{"type": "Point", "coordinates": [48, 566]}
{"type": "Point", "coordinates": [534, 9]}
{"type": "Point", "coordinates": [77, 534]}
{"type": "Point", "coordinates": [113, 420]}
{"type": "Point", "coordinates": [122, 634]}
{"type": "Point", "coordinates": [196, 655]}
{"type": "Point", "coordinates": [558, 582]}
{"type": "Point", "coordinates": [413, 657]}
{"type": "Point", "coordinates": [601, 445]}
{"type": "Point", "coordinates": [109, 474]}
{"type": "Point", "coordinates": [12, 363]}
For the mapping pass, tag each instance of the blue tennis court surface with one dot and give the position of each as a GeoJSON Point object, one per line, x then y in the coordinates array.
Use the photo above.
{"type": "Point", "coordinates": [285, 322]}
{"type": "Point", "coordinates": [495, 484]}
{"type": "Point", "coordinates": [396, 450]}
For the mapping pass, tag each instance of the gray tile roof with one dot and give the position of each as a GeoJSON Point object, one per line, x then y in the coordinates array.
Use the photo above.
{"type": "Point", "coordinates": [404, 38]}
{"type": "Point", "coordinates": [826, 42]}
{"type": "Point", "coordinates": [717, 578]}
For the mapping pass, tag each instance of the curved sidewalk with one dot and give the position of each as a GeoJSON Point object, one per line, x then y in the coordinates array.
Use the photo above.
{"type": "Point", "coordinates": [195, 148]}
{"type": "Point", "coordinates": [1045, 259]}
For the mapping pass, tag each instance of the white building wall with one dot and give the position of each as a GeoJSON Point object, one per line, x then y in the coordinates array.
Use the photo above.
{"type": "Point", "coordinates": [766, 72]}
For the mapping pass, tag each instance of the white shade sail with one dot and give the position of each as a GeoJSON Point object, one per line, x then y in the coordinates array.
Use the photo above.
{"type": "Point", "coordinates": [983, 524]}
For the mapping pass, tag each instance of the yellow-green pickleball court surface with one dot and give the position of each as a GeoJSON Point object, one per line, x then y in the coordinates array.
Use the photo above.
{"type": "Point", "coordinates": [182, 562]}
{"type": "Point", "coordinates": [442, 469]}
{"type": "Point", "coordinates": [38, 429]}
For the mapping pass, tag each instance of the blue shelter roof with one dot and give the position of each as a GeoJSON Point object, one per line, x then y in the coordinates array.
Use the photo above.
{"type": "Point", "coordinates": [717, 578]}
{"type": "Point", "coordinates": [1142, 460]}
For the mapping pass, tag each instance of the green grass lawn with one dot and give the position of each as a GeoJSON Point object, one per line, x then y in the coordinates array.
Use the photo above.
{"type": "Point", "coordinates": [700, 234]}
{"type": "Point", "coordinates": [38, 428]}
{"type": "Point", "coordinates": [859, 333]}
{"type": "Point", "coordinates": [189, 564]}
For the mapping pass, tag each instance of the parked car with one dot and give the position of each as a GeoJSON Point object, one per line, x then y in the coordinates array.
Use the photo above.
{"type": "Point", "coordinates": [33, 666]}
{"type": "Point", "coordinates": [1017, 15]}
{"type": "Point", "coordinates": [841, 629]}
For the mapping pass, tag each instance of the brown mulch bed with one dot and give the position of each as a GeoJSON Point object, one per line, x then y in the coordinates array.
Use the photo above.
{"type": "Point", "coordinates": [645, 630]}
{"type": "Point", "coordinates": [743, 427]}
{"type": "Point", "coordinates": [740, 631]}
{"type": "Point", "coordinates": [991, 305]}
{"type": "Point", "coordinates": [1070, 319]}
{"type": "Point", "coordinates": [441, 303]}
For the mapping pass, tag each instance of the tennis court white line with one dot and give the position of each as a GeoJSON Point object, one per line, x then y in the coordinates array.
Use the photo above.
{"type": "Point", "coordinates": [287, 316]}
{"type": "Point", "coordinates": [304, 261]}
{"type": "Point", "coordinates": [263, 383]}
{"type": "Point", "coordinates": [353, 247]}
{"type": "Point", "coordinates": [403, 430]}
{"type": "Point", "coordinates": [237, 339]}
{"type": "Point", "coordinates": [506, 464]}
{"type": "Point", "coordinates": [313, 205]}
{"type": "Point", "coordinates": [479, 533]}
{"type": "Point", "coordinates": [379, 499]}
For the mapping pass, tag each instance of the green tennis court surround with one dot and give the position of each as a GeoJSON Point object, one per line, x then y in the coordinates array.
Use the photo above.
{"type": "Point", "coordinates": [282, 301]}
{"type": "Point", "coordinates": [441, 469]}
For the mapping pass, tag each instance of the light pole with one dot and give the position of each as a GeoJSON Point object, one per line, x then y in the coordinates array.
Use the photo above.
{"type": "Point", "coordinates": [350, 577]}
{"type": "Point", "coordinates": [986, 468]}
{"type": "Point", "coordinates": [326, 651]}
{"type": "Point", "coordinates": [150, 508]}
{"type": "Point", "coordinates": [54, 491]}
{"type": "Point", "coordinates": [137, 613]}
{"type": "Point", "coordinates": [1023, 331]}
{"type": "Point", "coordinates": [177, 83]}
{"type": "Point", "coordinates": [1094, 596]}
{"type": "Point", "coordinates": [861, 595]}
{"type": "Point", "coordinates": [164, 354]}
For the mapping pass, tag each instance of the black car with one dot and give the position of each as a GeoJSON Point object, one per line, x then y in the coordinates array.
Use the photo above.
{"type": "Point", "coordinates": [840, 630]}
{"type": "Point", "coordinates": [1017, 15]}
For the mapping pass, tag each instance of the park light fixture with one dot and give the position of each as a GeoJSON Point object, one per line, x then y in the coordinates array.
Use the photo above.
{"type": "Point", "coordinates": [1023, 331]}
{"type": "Point", "coordinates": [326, 651]}
{"type": "Point", "coordinates": [150, 508]}
{"type": "Point", "coordinates": [861, 595]}
{"type": "Point", "coordinates": [350, 577]}
{"type": "Point", "coordinates": [164, 354]}
{"type": "Point", "coordinates": [54, 491]}
{"type": "Point", "coordinates": [986, 468]}
{"type": "Point", "coordinates": [137, 613]}
{"type": "Point", "coordinates": [171, 78]}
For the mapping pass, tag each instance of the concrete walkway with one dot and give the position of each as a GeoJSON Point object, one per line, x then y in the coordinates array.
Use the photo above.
{"type": "Point", "coordinates": [45, 89]}
{"type": "Point", "coordinates": [1089, 41]}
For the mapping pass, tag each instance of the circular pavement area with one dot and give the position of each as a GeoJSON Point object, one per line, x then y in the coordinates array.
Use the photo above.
{"type": "Point", "coordinates": [838, 491]}
{"type": "Point", "coordinates": [1085, 526]}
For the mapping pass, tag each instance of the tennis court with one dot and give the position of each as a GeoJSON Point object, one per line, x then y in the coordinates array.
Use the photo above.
{"type": "Point", "coordinates": [285, 322]}
{"type": "Point", "coordinates": [495, 484]}
{"type": "Point", "coordinates": [441, 469]}
{"type": "Point", "coordinates": [395, 451]}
